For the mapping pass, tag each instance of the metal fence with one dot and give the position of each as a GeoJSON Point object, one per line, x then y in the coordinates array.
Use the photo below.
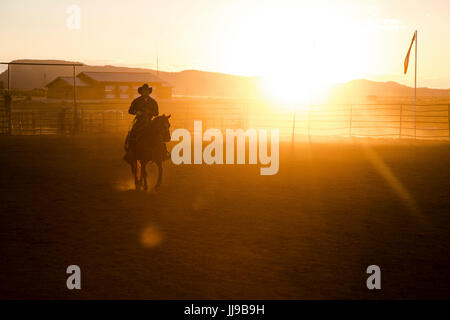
{"type": "Point", "coordinates": [293, 121]}
{"type": "Point", "coordinates": [5, 121]}
{"type": "Point", "coordinates": [397, 121]}
{"type": "Point", "coordinates": [35, 122]}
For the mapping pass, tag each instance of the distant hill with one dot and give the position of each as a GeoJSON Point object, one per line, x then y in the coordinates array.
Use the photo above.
{"type": "Point", "coordinates": [188, 82]}
{"type": "Point", "coordinates": [202, 83]}
{"type": "Point", "coordinates": [363, 88]}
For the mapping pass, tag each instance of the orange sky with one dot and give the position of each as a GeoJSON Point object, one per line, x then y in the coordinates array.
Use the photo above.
{"type": "Point", "coordinates": [303, 42]}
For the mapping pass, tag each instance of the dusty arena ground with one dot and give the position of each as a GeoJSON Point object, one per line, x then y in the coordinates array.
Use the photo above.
{"type": "Point", "coordinates": [225, 232]}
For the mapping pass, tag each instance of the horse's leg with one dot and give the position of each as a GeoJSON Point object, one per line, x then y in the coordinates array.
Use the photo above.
{"type": "Point", "coordinates": [160, 172]}
{"type": "Point", "coordinates": [133, 171]}
{"type": "Point", "coordinates": [137, 183]}
{"type": "Point", "coordinates": [144, 174]}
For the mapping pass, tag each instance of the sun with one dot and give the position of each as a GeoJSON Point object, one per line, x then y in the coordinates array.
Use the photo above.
{"type": "Point", "coordinates": [291, 90]}
{"type": "Point", "coordinates": [293, 78]}
{"type": "Point", "coordinates": [296, 51]}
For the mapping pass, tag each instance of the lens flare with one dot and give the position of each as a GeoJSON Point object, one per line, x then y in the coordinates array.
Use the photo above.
{"type": "Point", "coordinates": [150, 237]}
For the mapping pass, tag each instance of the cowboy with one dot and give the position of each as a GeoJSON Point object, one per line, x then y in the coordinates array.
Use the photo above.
{"type": "Point", "coordinates": [144, 108]}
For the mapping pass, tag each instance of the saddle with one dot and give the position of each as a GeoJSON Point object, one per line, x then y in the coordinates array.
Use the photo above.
{"type": "Point", "coordinates": [139, 124]}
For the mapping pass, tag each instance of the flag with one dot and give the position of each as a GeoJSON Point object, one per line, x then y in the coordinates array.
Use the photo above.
{"type": "Point", "coordinates": [409, 51]}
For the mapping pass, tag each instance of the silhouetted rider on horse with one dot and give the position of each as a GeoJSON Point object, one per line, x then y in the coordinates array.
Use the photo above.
{"type": "Point", "coordinates": [144, 108]}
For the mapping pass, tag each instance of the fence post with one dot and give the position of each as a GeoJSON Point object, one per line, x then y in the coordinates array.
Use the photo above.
{"type": "Point", "coordinates": [401, 117]}
{"type": "Point", "coordinates": [309, 123]}
{"type": "Point", "coordinates": [351, 119]}
{"type": "Point", "coordinates": [75, 106]}
{"type": "Point", "coordinates": [33, 122]}
{"type": "Point", "coordinates": [117, 120]}
{"type": "Point", "coordinates": [9, 119]}
{"type": "Point", "coordinates": [21, 120]}
{"type": "Point", "coordinates": [293, 126]}
{"type": "Point", "coordinates": [8, 105]}
{"type": "Point", "coordinates": [448, 116]}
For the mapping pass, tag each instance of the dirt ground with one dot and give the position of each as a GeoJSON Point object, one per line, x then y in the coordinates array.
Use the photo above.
{"type": "Point", "coordinates": [225, 232]}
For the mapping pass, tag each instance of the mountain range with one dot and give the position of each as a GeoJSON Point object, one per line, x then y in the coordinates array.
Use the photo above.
{"type": "Point", "coordinates": [203, 83]}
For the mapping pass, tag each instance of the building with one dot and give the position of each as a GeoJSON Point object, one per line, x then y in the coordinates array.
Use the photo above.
{"type": "Point", "coordinates": [107, 85]}
{"type": "Point", "coordinates": [62, 88]}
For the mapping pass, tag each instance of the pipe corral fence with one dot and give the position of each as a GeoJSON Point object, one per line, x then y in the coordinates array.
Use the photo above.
{"type": "Point", "coordinates": [430, 121]}
{"type": "Point", "coordinates": [293, 121]}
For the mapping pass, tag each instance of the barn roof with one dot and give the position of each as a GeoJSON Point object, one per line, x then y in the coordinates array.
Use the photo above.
{"type": "Point", "coordinates": [124, 77]}
{"type": "Point", "coordinates": [69, 81]}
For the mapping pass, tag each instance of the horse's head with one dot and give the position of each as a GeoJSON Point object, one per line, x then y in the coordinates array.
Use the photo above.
{"type": "Point", "coordinates": [162, 125]}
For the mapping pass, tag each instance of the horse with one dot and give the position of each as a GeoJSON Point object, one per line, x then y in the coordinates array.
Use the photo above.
{"type": "Point", "coordinates": [149, 146]}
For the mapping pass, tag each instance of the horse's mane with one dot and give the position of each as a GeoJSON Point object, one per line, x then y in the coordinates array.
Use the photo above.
{"type": "Point", "coordinates": [155, 121]}
{"type": "Point", "coordinates": [159, 118]}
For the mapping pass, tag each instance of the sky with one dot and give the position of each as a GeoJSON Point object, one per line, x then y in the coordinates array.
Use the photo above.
{"type": "Point", "coordinates": [286, 41]}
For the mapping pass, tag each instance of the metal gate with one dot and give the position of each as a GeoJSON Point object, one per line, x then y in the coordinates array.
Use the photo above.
{"type": "Point", "coordinates": [5, 118]}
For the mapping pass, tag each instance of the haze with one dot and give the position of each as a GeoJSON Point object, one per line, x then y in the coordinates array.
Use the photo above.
{"type": "Point", "coordinates": [300, 43]}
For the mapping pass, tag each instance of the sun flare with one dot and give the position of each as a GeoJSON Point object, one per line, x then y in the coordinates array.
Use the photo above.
{"type": "Point", "coordinates": [296, 57]}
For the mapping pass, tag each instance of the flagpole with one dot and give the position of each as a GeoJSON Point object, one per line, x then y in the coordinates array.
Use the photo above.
{"type": "Point", "coordinates": [415, 91]}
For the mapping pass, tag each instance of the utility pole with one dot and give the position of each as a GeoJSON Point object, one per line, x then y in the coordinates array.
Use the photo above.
{"type": "Point", "coordinates": [75, 107]}
{"type": "Point", "coordinates": [415, 91]}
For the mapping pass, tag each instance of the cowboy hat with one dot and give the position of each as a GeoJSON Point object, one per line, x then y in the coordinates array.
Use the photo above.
{"type": "Point", "coordinates": [144, 86]}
